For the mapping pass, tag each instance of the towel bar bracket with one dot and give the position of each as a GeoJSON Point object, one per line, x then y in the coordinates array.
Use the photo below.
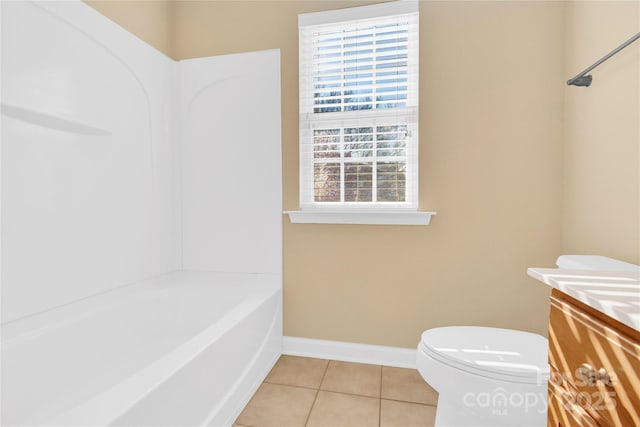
{"type": "Point", "coordinates": [583, 79]}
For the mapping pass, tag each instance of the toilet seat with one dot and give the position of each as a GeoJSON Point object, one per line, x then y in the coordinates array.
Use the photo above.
{"type": "Point", "coordinates": [500, 354]}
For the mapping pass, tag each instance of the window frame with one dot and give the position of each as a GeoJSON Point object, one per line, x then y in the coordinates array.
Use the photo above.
{"type": "Point", "coordinates": [408, 115]}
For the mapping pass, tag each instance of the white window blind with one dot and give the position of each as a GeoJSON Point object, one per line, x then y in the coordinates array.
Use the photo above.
{"type": "Point", "coordinates": [358, 107]}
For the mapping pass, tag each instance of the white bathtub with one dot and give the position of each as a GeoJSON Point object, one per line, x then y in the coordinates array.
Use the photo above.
{"type": "Point", "coordinates": [183, 349]}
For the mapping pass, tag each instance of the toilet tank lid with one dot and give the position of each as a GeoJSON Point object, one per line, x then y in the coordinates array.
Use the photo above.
{"type": "Point", "coordinates": [594, 262]}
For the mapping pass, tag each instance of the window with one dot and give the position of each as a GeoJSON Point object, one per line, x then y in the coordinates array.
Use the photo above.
{"type": "Point", "coordinates": [359, 108]}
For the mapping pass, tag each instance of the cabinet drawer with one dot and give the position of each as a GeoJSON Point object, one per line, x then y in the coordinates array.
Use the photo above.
{"type": "Point", "coordinates": [576, 338]}
{"type": "Point", "coordinates": [564, 412]}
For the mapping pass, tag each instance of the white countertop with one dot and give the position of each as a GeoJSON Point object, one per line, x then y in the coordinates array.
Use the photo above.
{"type": "Point", "coordinates": [616, 294]}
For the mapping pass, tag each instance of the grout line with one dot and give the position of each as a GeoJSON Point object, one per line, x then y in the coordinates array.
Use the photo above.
{"type": "Point", "coordinates": [353, 394]}
{"type": "Point", "coordinates": [324, 374]}
{"type": "Point", "coordinates": [412, 403]}
{"type": "Point", "coordinates": [289, 385]}
{"type": "Point", "coordinates": [246, 406]}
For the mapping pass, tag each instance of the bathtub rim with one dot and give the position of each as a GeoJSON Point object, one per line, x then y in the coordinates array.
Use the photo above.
{"type": "Point", "coordinates": [44, 321]}
{"type": "Point", "coordinates": [111, 403]}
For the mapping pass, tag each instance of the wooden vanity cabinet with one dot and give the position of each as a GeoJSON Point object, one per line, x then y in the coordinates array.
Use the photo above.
{"type": "Point", "coordinates": [595, 367]}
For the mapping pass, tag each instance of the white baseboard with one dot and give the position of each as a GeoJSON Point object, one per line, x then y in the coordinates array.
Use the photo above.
{"type": "Point", "coordinates": [350, 352]}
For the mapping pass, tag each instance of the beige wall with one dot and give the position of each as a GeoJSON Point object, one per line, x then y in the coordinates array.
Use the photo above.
{"type": "Point", "coordinates": [491, 104]}
{"type": "Point", "coordinates": [602, 132]}
{"type": "Point", "coordinates": [150, 20]}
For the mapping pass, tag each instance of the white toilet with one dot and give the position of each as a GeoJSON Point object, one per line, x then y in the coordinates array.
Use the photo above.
{"type": "Point", "coordinates": [494, 377]}
{"type": "Point", "coordinates": [486, 376]}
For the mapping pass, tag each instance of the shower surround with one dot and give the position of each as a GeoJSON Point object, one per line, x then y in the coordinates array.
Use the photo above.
{"type": "Point", "coordinates": [141, 225]}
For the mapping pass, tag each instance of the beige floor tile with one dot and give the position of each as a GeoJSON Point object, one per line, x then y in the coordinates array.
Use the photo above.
{"type": "Point", "coordinates": [406, 385]}
{"type": "Point", "coordinates": [353, 378]}
{"type": "Point", "coordinates": [276, 405]}
{"type": "Point", "coordinates": [403, 414]}
{"type": "Point", "coordinates": [344, 410]}
{"type": "Point", "coordinates": [298, 371]}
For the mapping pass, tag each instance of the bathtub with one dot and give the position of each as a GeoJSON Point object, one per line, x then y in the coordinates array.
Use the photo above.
{"type": "Point", "coordinates": [182, 349]}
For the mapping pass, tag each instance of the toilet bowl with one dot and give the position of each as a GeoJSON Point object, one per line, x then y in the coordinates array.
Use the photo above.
{"type": "Point", "coordinates": [485, 376]}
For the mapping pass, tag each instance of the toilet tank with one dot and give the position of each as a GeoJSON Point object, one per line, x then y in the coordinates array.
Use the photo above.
{"type": "Point", "coordinates": [594, 262]}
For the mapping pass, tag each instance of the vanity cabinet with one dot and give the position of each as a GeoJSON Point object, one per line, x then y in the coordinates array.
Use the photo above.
{"type": "Point", "coordinates": [595, 367]}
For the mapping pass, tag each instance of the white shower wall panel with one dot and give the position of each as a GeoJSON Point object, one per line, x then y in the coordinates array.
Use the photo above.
{"type": "Point", "coordinates": [87, 195]}
{"type": "Point", "coordinates": [119, 164]}
{"type": "Point", "coordinates": [231, 187]}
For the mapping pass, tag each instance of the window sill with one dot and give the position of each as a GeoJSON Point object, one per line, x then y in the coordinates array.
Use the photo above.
{"type": "Point", "coordinates": [360, 217]}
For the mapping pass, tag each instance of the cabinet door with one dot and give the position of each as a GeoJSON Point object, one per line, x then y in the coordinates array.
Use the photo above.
{"type": "Point", "coordinates": [609, 384]}
{"type": "Point", "coordinates": [563, 412]}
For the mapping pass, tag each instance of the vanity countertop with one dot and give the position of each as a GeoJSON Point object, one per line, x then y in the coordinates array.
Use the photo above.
{"type": "Point", "coordinates": [616, 294]}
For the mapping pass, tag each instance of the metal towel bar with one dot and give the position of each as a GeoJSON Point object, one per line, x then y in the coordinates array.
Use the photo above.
{"type": "Point", "coordinates": [584, 80]}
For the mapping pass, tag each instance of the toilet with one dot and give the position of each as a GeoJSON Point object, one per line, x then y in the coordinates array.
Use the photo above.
{"type": "Point", "coordinates": [485, 376]}
{"type": "Point", "coordinates": [494, 377]}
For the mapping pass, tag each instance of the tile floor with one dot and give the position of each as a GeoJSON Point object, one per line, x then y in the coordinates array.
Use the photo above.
{"type": "Point", "coordinates": [301, 391]}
